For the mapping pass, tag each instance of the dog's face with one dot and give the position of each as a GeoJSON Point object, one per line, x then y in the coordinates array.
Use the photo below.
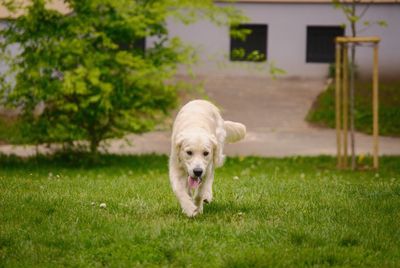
{"type": "Point", "coordinates": [196, 152]}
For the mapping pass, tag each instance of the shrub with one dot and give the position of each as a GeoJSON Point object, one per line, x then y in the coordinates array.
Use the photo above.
{"type": "Point", "coordinates": [87, 69]}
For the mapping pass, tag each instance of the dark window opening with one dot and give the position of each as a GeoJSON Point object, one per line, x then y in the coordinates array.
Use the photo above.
{"type": "Point", "coordinates": [321, 43]}
{"type": "Point", "coordinates": [251, 48]}
{"type": "Point", "coordinates": [138, 45]}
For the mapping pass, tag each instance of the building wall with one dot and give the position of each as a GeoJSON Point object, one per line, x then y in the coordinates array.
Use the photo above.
{"type": "Point", "coordinates": [287, 39]}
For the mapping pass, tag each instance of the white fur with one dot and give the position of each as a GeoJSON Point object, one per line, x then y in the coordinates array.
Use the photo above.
{"type": "Point", "coordinates": [198, 129]}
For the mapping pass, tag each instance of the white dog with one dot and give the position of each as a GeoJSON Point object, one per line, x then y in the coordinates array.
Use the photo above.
{"type": "Point", "coordinates": [197, 142]}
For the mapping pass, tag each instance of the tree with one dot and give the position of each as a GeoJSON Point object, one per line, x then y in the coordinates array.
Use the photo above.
{"type": "Point", "coordinates": [354, 17]}
{"type": "Point", "coordinates": [88, 71]}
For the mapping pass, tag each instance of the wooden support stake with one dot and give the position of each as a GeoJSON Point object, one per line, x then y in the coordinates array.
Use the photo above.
{"type": "Point", "coordinates": [375, 108]}
{"type": "Point", "coordinates": [358, 39]}
{"type": "Point", "coordinates": [345, 103]}
{"type": "Point", "coordinates": [342, 96]}
{"type": "Point", "coordinates": [338, 106]}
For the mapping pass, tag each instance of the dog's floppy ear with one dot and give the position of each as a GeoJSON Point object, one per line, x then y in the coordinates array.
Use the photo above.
{"type": "Point", "coordinates": [178, 142]}
{"type": "Point", "coordinates": [218, 157]}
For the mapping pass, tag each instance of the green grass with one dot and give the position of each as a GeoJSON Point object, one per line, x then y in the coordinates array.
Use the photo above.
{"type": "Point", "coordinates": [292, 212]}
{"type": "Point", "coordinates": [323, 111]}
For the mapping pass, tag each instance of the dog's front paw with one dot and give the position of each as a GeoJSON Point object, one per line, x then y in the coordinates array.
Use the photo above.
{"type": "Point", "coordinates": [190, 211]}
{"type": "Point", "coordinates": [207, 197]}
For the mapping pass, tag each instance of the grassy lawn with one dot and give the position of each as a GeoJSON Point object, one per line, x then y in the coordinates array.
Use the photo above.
{"type": "Point", "coordinates": [323, 111]}
{"type": "Point", "coordinates": [266, 212]}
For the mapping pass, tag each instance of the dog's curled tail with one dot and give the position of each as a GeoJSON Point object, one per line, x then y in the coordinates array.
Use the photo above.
{"type": "Point", "coordinates": [234, 131]}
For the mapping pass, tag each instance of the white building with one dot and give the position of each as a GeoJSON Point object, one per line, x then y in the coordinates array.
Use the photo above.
{"type": "Point", "coordinates": [296, 36]}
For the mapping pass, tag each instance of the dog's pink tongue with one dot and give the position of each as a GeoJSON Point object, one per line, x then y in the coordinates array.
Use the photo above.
{"type": "Point", "coordinates": [193, 182]}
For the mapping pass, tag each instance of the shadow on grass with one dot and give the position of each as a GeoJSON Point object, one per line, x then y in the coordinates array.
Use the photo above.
{"type": "Point", "coordinates": [84, 160]}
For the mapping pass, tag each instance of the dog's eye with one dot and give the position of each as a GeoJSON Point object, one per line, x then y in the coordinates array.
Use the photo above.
{"type": "Point", "coordinates": [189, 152]}
{"type": "Point", "coordinates": [205, 153]}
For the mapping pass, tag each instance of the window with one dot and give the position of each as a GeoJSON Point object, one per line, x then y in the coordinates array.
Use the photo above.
{"type": "Point", "coordinates": [321, 43]}
{"type": "Point", "coordinates": [253, 47]}
{"type": "Point", "coordinates": [138, 45]}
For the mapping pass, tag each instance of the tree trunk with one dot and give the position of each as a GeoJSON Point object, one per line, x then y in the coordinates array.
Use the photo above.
{"type": "Point", "coordinates": [94, 144]}
{"type": "Point", "coordinates": [93, 147]}
{"type": "Point", "coordinates": [352, 90]}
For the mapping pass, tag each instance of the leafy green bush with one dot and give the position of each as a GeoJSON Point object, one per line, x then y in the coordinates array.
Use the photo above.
{"type": "Point", "coordinates": [323, 110]}
{"type": "Point", "coordinates": [87, 70]}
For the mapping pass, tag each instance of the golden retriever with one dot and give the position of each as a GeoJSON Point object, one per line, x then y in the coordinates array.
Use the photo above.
{"type": "Point", "coordinates": [197, 143]}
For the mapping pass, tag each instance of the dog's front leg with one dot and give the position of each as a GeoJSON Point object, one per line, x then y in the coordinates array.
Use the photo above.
{"type": "Point", "coordinates": [180, 190]}
{"type": "Point", "coordinates": [179, 186]}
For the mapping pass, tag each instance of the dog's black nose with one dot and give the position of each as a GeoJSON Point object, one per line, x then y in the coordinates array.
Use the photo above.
{"type": "Point", "coordinates": [197, 172]}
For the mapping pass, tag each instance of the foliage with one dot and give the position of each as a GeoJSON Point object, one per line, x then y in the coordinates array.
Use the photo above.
{"type": "Point", "coordinates": [353, 17]}
{"type": "Point", "coordinates": [88, 71]}
{"type": "Point", "coordinates": [10, 131]}
{"type": "Point", "coordinates": [291, 212]}
{"type": "Point", "coordinates": [349, 9]}
{"type": "Point", "coordinates": [323, 110]}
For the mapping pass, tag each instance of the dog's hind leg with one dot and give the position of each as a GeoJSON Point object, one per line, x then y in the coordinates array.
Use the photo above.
{"type": "Point", "coordinates": [206, 191]}
{"type": "Point", "coordinates": [208, 195]}
{"type": "Point", "coordinates": [198, 201]}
